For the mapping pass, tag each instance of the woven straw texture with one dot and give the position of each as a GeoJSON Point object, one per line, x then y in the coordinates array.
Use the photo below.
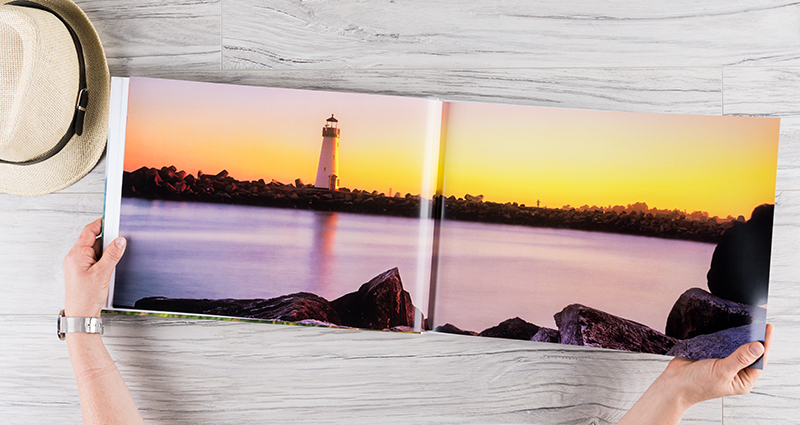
{"type": "Point", "coordinates": [47, 77]}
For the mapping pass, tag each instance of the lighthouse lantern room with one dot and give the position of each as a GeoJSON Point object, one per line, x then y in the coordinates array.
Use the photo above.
{"type": "Point", "coordinates": [328, 170]}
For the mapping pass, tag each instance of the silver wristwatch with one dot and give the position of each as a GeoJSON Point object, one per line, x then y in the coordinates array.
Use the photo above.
{"type": "Point", "coordinates": [92, 325]}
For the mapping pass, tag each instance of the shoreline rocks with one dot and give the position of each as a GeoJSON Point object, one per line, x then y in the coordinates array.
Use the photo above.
{"type": "Point", "coordinates": [379, 304]}
{"type": "Point", "coordinates": [698, 312]}
{"type": "Point", "coordinates": [739, 268]}
{"type": "Point", "coordinates": [586, 326]}
{"type": "Point", "coordinates": [713, 346]}
{"type": "Point", "coordinates": [515, 328]}
{"type": "Point", "coordinates": [167, 183]}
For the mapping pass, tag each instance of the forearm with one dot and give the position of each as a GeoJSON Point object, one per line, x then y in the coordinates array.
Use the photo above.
{"type": "Point", "coordinates": [661, 404]}
{"type": "Point", "coordinates": [105, 398]}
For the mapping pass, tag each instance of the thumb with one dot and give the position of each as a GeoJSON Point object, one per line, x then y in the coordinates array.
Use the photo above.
{"type": "Point", "coordinates": [111, 255]}
{"type": "Point", "coordinates": [744, 356]}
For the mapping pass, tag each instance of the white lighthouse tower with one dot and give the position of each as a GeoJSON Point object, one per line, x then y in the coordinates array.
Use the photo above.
{"type": "Point", "coordinates": [328, 170]}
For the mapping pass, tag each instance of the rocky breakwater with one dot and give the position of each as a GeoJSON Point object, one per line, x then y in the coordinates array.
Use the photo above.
{"type": "Point", "coordinates": [380, 304]}
{"type": "Point", "coordinates": [168, 183]}
{"type": "Point", "coordinates": [581, 325]}
{"type": "Point", "coordinates": [673, 225]}
{"type": "Point", "coordinates": [712, 327]}
{"type": "Point", "coordinates": [700, 326]}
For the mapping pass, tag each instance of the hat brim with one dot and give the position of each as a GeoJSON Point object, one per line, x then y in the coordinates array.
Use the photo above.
{"type": "Point", "coordinates": [82, 152]}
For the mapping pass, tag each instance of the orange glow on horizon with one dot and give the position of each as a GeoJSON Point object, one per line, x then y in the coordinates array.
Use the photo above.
{"type": "Point", "coordinates": [717, 164]}
{"type": "Point", "coordinates": [267, 133]}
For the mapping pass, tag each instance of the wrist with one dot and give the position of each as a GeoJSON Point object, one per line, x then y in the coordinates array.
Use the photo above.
{"type": "Point", "coordinates": [82, 311]}
{"type": "Point", "coordinates": [674, 393]}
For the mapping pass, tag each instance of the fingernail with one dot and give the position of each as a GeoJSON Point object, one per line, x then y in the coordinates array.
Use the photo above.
{"type": "Point", "coordinates": [756, 348]}
{"type": "Point", "coordinates": [120, 243]}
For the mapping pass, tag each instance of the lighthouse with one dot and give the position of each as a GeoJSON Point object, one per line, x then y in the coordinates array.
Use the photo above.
{"type": "Point", "coordinates": [328, 170]}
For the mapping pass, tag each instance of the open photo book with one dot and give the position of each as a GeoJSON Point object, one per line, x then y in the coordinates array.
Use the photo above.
{"type": "Point", "coordinates": [629, 231]}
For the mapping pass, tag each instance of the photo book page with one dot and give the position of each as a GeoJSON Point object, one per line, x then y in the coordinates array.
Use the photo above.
{"type": "Point", "coordinates": [272, 204]}
{"type": "Point", "coordinates": [629, 231]}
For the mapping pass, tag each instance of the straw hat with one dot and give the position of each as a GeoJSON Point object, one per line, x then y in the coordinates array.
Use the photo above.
{"type": "Point", "coordinates": [54, 89]}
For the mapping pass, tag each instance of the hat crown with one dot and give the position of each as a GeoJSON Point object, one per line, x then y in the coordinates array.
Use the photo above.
{"type": "Point", "coordinates": [39, 78]}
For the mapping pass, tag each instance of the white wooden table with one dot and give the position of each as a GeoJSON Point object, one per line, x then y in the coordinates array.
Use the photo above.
{"type": "Point", "coordinates": [716, 57]}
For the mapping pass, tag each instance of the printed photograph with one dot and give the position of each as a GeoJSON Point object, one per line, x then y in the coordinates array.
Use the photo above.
{"type": "Point", "coordinates": [639, 232]}
{"type": "Point", "coordinates": [281, 205]}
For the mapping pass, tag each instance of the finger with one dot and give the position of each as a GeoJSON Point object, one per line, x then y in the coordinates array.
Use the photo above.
{"type": "Point", "coordinates": [767, 342]}
{"type": "Point", "coordinates": [743, 356]}
{"type": "Point", "coordinates": [111, 256]}
{"type": "Point", "coordinates": [89, 233]}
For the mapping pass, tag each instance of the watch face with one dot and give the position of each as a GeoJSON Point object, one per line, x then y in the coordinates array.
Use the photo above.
{"type": "Point", "coordinates": [60, 334]}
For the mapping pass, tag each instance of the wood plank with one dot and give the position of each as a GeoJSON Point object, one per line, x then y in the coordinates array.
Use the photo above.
{"type": "Point", "coordinates": [421, 34]}
{"type": "Point", "coordinates": [665, 90]}
{"type": "Point", "coordinates": [37, 232]}
{"type": "Point", "coordinates": [176, 34]}
{"type": "Point", "coordinates": [784, 292]}
{"type": "Point", "coordinates": [196, 372]}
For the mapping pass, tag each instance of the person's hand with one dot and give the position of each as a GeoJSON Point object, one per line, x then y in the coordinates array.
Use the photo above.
{"type": "Point", "coordinates": [697, 381]}
{"type": "Point", "coordinates": [86, 278]}
{"type": "Point", "coordinates": [687, 382]}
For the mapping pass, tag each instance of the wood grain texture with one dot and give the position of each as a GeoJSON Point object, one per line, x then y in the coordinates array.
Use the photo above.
{"type": "Point", "coordinates": [630, 56]}
{"type": "Point", "coordinates": [36, 233]}
{"type": "Point", "coordinates": [784, 292]}
{"type": "Point", "coordinates": [191, 372]}
{"type": "Point", "coordinates": [422, 34]}
{"type": "Point", "coordinates": [176, 34]}
{"type": "Point", "coordinates": [673, 90]}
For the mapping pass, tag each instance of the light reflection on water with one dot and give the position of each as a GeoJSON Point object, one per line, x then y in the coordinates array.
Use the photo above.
{"type": "Point", "coordinates": [488, 272]}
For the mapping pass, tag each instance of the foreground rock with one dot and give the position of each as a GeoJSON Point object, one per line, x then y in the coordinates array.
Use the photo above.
{"type": "Point", "coordinates": [698, 312]}
{"type": "Point", "coordinates": [290, 308]}
{"type": "Point", "coordinates": [515, 328]}
{"type": "Point", "coordinates": [547, 335]}
{"type": "Point", "coordinates": [449, 328]}
{"type": "Point", "coordinates": [586, 326]}
{"type": "Point", "coordinates": [740, 265]}
{"type": "Point", "coordinates": [714, 346]}
{"type": "Point", "coordinates": [381, 303]}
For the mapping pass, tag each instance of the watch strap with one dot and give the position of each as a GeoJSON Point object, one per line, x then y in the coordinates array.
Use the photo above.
{"type": "Point", "coordinates": [92, 325]}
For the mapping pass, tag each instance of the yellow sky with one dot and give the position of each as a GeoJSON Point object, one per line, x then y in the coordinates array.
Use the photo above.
{"type": "Point", "coordinates": [257, 132]}
{"type": "Point", "coordinates": [722, 165]}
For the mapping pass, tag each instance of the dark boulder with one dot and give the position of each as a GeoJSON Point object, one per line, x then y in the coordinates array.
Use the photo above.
{"type": "Point", "coordinates": [515, 328]}
{"type": "Point", "coordinates": [547, 335]}
{"type": "Point", "coordinates": [697, 312]}
{"type": "Point", "coordinates": [586, 326]}
{"type": "Point", "coordinates": [381, 303]}
{"type": "Point", "coordinates": [740, 265]}
{"type": "Point", "coordinates": [290, 308]}
{"type": "Point", "coordinates": [452, 329]}
{"type": "Point", "coordinates": [714, 346]}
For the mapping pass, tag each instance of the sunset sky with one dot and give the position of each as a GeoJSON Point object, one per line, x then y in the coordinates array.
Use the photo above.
{"type": "Point", "coordinates": [257, 132]}
{"type": "Point", "coordinates": [722, 165]}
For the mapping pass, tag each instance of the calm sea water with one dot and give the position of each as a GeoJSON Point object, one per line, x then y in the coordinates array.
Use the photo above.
{"type": "Point", "coordinates": [488, 273]}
